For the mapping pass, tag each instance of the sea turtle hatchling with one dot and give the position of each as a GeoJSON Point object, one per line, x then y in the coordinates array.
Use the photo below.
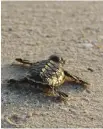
{"type": "Point", "coordinates": [49, 75]}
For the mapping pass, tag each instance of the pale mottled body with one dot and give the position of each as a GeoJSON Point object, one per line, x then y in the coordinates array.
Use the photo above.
{"type": "Point", "coordinates": [47, 72]}
{"type": "Point", "coordinates": [49, 75]}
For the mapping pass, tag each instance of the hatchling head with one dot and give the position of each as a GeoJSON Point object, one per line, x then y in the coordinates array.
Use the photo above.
{"type": "Point", "coordinates": [57, 59]}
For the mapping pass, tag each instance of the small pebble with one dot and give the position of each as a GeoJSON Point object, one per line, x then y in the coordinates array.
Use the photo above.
{"type": "Point", "coordinates": [10, 29]}
{"type": "Point", "coordinates": [87, 45]}
{"type": "Point", "coordinates": [90, 69]}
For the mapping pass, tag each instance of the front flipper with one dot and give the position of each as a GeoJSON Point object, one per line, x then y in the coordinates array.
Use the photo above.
{"type": "Point", "coordinates": [23, 61]}
{"type": "Point", "coordinates": [75, 79]}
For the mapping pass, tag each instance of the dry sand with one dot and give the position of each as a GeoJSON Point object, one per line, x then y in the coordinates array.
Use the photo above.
{"type": "Point", "coordinates": [35, 30]}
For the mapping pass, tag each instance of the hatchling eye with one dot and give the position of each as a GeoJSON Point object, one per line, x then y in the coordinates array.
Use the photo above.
{"type": "Point", "coordinates": [62, 60]}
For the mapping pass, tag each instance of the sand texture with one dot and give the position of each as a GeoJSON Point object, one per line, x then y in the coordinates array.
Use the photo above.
{"type": "Point", "coordinates": [34, 31]}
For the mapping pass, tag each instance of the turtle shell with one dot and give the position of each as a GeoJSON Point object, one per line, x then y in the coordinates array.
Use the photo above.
{"type": "Point", "coordinates": [47, 72]}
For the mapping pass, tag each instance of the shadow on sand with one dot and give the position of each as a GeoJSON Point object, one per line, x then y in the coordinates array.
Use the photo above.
{"type": "Point", "coordinates": [27, 90]}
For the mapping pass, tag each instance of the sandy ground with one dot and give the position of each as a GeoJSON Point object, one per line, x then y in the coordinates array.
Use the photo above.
{"type": "Point", "coordinates": [35, 30]}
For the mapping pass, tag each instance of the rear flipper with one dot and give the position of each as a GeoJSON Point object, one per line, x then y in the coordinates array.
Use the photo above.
{"type": "Point", "coordinates": [75, 79]}
{"type": "Point", "coordinates": [58, 95]}
{"type": "Point", "coordinates": [52, 91]}
{"type": "Point", "coordinates": [21, 81]}
{"type": "Point", "coordinates": [23, 61]}
{"type": "Point", "coordinates": [62, 97]}
{"type": "Point", "coordinates": [33, 85]}
{"type": "Point", "coordinates": [62, 94]}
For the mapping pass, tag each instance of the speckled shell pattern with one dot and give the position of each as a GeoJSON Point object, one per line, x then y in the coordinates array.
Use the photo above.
{"type": "Point", "coordinates": [47, 72]}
